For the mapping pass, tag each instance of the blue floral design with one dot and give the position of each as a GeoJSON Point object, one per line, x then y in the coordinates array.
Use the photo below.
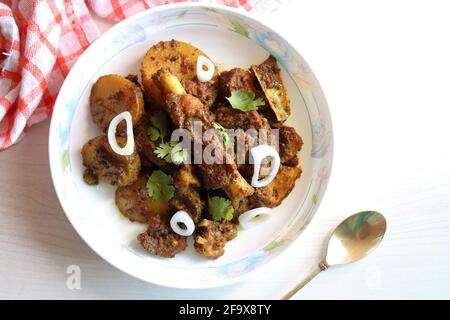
{"type": "Point", "coordinates": [129, 35]}
{"type": "Point", "coordinates": [321, 139]}
{"type": "Point", "coordinates": [241, 267]}
{"type": "Point", "coordinates": [278, 48]}
{"type": "Point", "coordinates": [66, 121]}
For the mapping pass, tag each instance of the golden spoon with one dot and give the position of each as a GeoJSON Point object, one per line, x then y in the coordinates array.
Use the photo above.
{"type": "Point", "coordinates": [352, 240]}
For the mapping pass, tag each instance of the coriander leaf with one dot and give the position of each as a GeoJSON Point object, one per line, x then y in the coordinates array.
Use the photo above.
{"type": "Point", "coordinates": [160, 121]}
{"type": "Point", "coordinates": [227, 142]}
{"type": "Point", "coordinates": [160, 186]}
{"type": "Point", "coordinates": [178, 154]}
{"type": "Point", "coordinates": [244, 100]}
{"type": "Point", "coordinates": [153, 133]}
{"type": "Point", "coordinates": [160, 126]}
{"type": "Point", "coordinates": [220, 208]}
{"type": "Point", "coordinates": [163, 151]}
{"type": "Point", "coordinates": [171, 152]}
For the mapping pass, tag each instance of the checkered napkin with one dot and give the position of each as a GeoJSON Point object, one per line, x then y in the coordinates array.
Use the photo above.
{"type": "Point", "coordinates": [41, 40]}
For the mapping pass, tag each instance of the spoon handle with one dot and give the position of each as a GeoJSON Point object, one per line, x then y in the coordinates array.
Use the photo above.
{"type": "Point", "coordinates": [321, 267]}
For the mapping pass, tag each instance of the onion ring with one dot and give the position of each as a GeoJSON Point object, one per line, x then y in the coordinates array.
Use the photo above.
{"type": "Point", "coordinates": [254, 217]}
{"type": "Point", "coordinates": [258, 153]}
{"type": "Point", "coordinates": [184, 218]}
{"type": "Point", "coordinates": [129, 147]}
{"type": "Point", "coordinates": [205, 75]}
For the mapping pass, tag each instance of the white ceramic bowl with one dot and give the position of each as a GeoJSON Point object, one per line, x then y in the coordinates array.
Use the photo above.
{"type": "Point", "coordinates": [230, 37]}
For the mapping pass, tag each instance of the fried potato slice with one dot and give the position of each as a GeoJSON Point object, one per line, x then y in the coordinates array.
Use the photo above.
{"type": "Point", "coordinates": [273, 194]}
{"type": "Point", "coordinates": [178, 57]}
{"type": "Point", "coordinates": [102, 163]}
{"type": "Point", "coordinates": [269, 77]}
{"type": "Point", "coordinates": [134, 202]}
{"type": "Point", "coordinates": [113, 94]}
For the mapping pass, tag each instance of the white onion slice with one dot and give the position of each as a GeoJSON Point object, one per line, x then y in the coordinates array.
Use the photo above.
{"type": "Point", "coordinates": [129, 147]}
{"type": "Point", "coordinates": [205, 75]}
{"type": "Point", "coordinates": [254, 217]}
{"type": "Point", "coordinates": [258, 153]}
{"type": "Point", "coordinates": [184, 218]}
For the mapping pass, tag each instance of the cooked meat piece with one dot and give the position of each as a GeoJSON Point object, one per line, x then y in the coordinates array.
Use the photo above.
{"type": "Point", "coordinates": [185, 110]}
{"type": "Point", "coordinates": [247, 170]}
{"type": "Point", "coordinates": [111, 95]}
{"type": "Point", "coordinates": [187, 193]}
{"type": "Point", "coordinates": [233, 119]}
{"type": "Point", "coordinates": [216, 176]}
{"type": "Point", "coordinates": [146, 146]}
{"type": "Point", "coordinates": [211, 237]}
{"type": "Point", "coordinates": [236, 79]}
{"type": "Point", "coordinates": [255, 130]}
{"type": "Point", "coordinates": [134, 78]}
{"type": "Point", "coordinates": [206, 92]}
{"type": "Point", "coordinates": [134, 202]}
{"type": "Point", "coordinates": [89, 177]}
{"type": "Point", "coordinates": [159, 238]}
{"type": "Point", "coordinates": [292, 162]}
{"type": "Point", "coordinates": [290, 145]}
{"type": "Point", "coordinates": [104, 164]}
{"type": "Point", "coordinates": [274, 193]}
{"type": "Point", "coordinates": [238, 190]}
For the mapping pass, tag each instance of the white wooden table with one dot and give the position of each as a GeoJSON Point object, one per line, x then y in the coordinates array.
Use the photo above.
{"type": "Point", "coordinates": [385, 69]}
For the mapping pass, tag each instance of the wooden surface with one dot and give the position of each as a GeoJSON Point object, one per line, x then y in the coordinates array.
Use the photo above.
{"type": "Point", "coordinates": [385, 70]}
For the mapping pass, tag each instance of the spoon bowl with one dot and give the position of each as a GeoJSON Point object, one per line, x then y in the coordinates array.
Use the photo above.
{"type": "Point", "coordinates": [353, 239]}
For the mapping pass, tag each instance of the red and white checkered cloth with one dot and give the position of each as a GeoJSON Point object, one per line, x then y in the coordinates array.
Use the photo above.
{"type": "Point", "coordinates": [39, 43]}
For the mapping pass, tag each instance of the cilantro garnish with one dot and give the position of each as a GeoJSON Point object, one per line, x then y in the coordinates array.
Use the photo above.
{"type": "Point", "coordinates": [160, 186]}
{"type": "Point", "coordinates": [227, 142]}
{"type": "Point", "coordinates": [163, 150]}
{"type": "Point", "coordinates": [160, 126]}
{"type": "Point", "coordinates": [244, 100]}
{"type": "Point", "coordinates": [178, 154]}
{"type": "Point", "coordinates": [153, 133]}
{"type": "Point", "coordinates": [171, 152]}
{"type": "Point", "coordinates": [220, 208]}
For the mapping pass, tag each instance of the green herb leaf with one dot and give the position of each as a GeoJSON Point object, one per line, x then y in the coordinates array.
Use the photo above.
{"type": "Point", "coordinates": [220, 208]}
{"type": "Point", "coordinates": [164, 149]}
{"type": "Point", "coordinates": [160, 186]}
{"type": "Point", "coordinates": [227, 142]}
{"type": "Point", "coordinates": [178, 154]}
{"type": "Point", "coordinates": [160, 126]}
{"type": "Point", "coordinates": [172, 152]}
{"type": "Point", "coordinates": [244, 100]}
{"type": "Point", "coordinates": [153, 133]}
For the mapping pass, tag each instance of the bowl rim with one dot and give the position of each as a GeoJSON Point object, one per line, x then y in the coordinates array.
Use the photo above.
{"type": "Point", "coordinates": [155, 10]}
